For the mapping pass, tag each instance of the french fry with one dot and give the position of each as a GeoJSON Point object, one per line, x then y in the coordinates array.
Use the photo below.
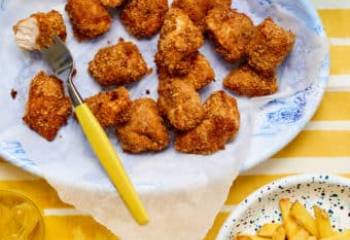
{"type": "Point", "coordinates": [323, 223]}
{"type": "Point", "coordinates": [290, 225]}
{"type": "Point", "coordinates": [304, 218]}
{"type": "Point", "coordinates": [298, 224]}
{"type": "Point", "coordinates": [279, 234]}
{"type": "Point", "coordinates": [251, 237]}
{"type": "Point", "coordinates": [301, 234]}
{"type": "Point", "coordinates": [267, 230]}
{"type": "Point", "coordinates": [339, 236]}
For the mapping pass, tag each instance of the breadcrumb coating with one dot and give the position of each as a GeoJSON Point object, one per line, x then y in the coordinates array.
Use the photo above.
{"type": "Point", "coordinates": [112, 3]}
{"type": "Point", "coordinates": [246, 81]}
{"type": "Point", "coordinates": [178, 43]}
{"type": "Point", "coordinates": [200, 75]}
{"type": "Point", "coordinates": [221, 124]}
{"type": "Point", "coordinates": [144, 18]}
{"type": "Point", "coordinates": [49, 24]}
{"type": "Point", "coordinates": [110, 108]}
{"type": "Point", "coordinates": [145, 131]}
{"type": "Point", "coordinates": [89, 18]}
{"type": "Point", "coordinates": [269, 46]}
{"type": "Point", "coordinates": [48, 109]}
{"type": "Point", "coordinates": [231, 31]}
{"type": "Point", "coordinates": [181, 105]}
{"type": "Point", "coordinates": [197, 10]}
{"type": "Point", "coordinates": [118, 64]}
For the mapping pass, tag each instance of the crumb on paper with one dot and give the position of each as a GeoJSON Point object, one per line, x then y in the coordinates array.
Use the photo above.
{"type": "Point", "coordinates": [13, 93]}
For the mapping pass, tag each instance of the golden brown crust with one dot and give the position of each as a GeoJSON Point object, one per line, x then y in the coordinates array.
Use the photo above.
{"type": "Point", "coordinates": [231, 32]}
{"type": "Point", "coordinates": [48, 108]}
{"type": "Point", "coordinates": [222, 3]}
{"type": "Point", "coordinates": [221, 124]}
{"type": "Point", "coordinates": [200, 75]}
{"type": "Point", "coordinates": [118, 64]}
{"type": "Point", "coordinates": [195, 9]}
{"type": "Point", "coordinates": [50, 24]}
{"type": "Point", "coordinates": [181, 105]}
{"type": "Point", "coordinates": [144, 18]}
{"type": "Point", "coordinates": [89, 18]}
{"type": "Point", "coordinates": [145, 131]}
{"type": "Point", "coordinates": [112, 3]}
{"type": "Point", "coordinates": [246, 81]}
{"type": "Point", "coordinates": [111, 108]}
{"type": "Point", "coordinates": [269, 46]}
{"type": "Point", "coordinates": [178, 43]}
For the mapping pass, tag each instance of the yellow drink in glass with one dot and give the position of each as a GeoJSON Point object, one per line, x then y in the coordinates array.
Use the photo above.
{"type": "Point", "coordinates": [20, 218]}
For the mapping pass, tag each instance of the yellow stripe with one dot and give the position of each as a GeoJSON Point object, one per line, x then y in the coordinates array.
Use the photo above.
{"type": "Point", "coordinates": [318, 144]}
{"type": "Point", "coordinates": [334, 106]}
{"type": "Point", "coordinates": [336, 22]}
{"type": "Point", "coordinates": [245, 185]}
{"type": "Point", "coordinates": [219, 220]}
{"type": "Point", "coordinates": [340, 58]}
{"type": "Point", "coordinates": [37, 190]}
{"type": "Point", "coordinates": [76, 228]}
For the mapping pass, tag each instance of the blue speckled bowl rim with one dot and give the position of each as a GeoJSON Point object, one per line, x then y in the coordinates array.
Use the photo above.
{"type": "Point", "coordinates": [275, 186]}
{"type": "Point", "coordinates": [324, 74]}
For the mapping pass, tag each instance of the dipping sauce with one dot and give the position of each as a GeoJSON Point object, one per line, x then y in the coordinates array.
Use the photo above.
{"type": "Point", "coordinates": [20, 219]}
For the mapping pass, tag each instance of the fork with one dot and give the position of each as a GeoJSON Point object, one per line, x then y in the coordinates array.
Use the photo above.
{"type": "Point", "coordinates": [61, 61]}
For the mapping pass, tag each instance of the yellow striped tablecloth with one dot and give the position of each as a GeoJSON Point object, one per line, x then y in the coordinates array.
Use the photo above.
{"type": "Point", "coordinates": [324, 146]}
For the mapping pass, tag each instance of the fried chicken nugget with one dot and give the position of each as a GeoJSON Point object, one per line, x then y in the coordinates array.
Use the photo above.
{"type": "Point", "coordinates": [181, 105]}
{"type": "Point", "coordinates": [200, 75]}
{"type": "Point", "coordinates": [144, 18]}
{"type": "Point", "coordinates": [221, 124]}
{"type": "Point", "coordinates": [223, 3]}
{"type": "Point", "coordinates": [36, 32]}
{"type": "Point", "coordinates": [231, 31]}
{"type": "Point", "coordinates": [197, 10]}
{"type": "Point", "coordinates": [112, 3]}
{"type": "Point", "coordinates": [145, 131]}
{"type": "Point", "coordinates": [178, 43]}
{"type": "Point", "coordinates": [110, 108]}
{"type": "Point", "coordinates": [118, 64]}
{"type": "Point", "coordinates": [246, 81]}
{"type": "Point", "coordinates": [47, 108]}
{"type": "Point", "coordinates": [89, 18]}
{"type": "Point", "coordinates": [269, 46]}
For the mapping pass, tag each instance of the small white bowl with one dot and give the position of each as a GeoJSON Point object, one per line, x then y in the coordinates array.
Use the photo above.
{"type": "Point", "coordinates": [331, 193]}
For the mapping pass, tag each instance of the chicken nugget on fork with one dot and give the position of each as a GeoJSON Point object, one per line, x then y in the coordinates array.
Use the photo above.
{"type": "Point", "coordinates": [36, 32]}
{"type": "Point", "coordinates": [89, 18]}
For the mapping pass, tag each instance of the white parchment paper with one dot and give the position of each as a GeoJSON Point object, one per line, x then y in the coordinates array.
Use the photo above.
{"type": "Point", "coordinates": [182, 193]}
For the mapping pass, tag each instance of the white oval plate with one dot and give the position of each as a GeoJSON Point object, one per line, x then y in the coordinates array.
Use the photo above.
{"type": "Point", "coordinates": [267, 125]}
{"type": "Point", "coordinates": [331, 193]}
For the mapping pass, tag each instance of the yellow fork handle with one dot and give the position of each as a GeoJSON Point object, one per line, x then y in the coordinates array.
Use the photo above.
{"type": "Point", "coordinates": [109, 159]}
